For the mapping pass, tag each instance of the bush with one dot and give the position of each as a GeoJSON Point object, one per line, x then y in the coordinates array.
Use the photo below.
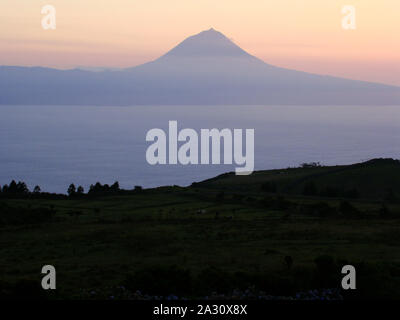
{"type": "Point", "coordinates": [310, 165]}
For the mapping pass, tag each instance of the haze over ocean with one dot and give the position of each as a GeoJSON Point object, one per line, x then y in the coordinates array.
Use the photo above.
{"type": "Point", "coordinates": [53, 146]}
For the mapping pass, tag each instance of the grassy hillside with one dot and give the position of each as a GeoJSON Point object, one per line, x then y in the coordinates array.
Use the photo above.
{"type": "Point", "coordinates": [230, 232]}
{"type": "Point", "coordinates": [377, 179]}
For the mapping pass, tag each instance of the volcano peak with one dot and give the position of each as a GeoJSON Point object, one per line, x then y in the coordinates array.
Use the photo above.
{"type": "Point", "coordinates": [206, 43]}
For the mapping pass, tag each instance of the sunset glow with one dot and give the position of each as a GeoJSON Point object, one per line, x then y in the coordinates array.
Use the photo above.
{"type": "Point", "coordinates": [304, 35]}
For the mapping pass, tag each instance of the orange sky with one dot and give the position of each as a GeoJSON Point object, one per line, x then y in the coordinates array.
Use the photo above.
{"type": "Point", "coordinates": [304, 35]}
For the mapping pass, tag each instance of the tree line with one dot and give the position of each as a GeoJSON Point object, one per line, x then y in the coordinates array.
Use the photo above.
{"type": "Point", "coordinates": [20, 189]}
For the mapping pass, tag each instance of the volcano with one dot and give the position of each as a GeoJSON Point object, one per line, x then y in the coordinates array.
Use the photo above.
{"type": "Point", "coordinates": [204, 69]}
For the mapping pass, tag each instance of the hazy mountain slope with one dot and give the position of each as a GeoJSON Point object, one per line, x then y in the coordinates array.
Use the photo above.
{"type": "Point", "coordinates": [206, 68]}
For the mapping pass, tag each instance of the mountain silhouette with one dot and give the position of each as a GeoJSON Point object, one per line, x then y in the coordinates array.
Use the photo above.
{"type": "Point", "coordinates": [207, 43]}
{"type": "Point", "coordinates": [204, 69]}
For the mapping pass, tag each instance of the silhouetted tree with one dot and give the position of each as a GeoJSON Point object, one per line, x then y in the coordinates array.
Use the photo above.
{"type": "Point", "coordinates": [5, 188]}
{"type": "Point", "coordinates": [71, 190]}
{"type": "Point", "coordinates": [80, 190]}
{"type": "Point", "coordinates": [115, 187]}
{"type": "Point", "coordinates": [97, 188]}
{"type": "Point", "coordinates": [22, 188]}
{"type": "Point", "coordinates": [12, 188]}
{"type": "Point", "coordinates": [36, 189]}
{"type": "Point", "coordinates": [310, 165]}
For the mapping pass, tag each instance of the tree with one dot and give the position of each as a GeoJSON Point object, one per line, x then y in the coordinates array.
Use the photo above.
{"type": "Point", "coordinates": [12, 188]}
{"type": "Point", "coordinates": [5, 188]}
{"type": "Point", "coordinates": [80, 190]}
{"type": "Point", "coordinates": [115, 187]}
{"type": "Point", "coordinates": [16, 188]}
{"type": "Point", "coordinates": [310, 165]}
{"type": "Point", "coordinates": [22, 188]}
{"type": "Point", "coordinates": [71, 190]}
{"type": "Point", "coordinates": [36, 189]}
{"type": "Point", "coordinates": [97, 188]}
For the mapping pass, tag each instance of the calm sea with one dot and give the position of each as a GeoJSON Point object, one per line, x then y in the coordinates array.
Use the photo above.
{"type": "Point", "coordinates": [53, 146]}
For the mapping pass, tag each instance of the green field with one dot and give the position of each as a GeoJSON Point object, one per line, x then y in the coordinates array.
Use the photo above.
{"type": "Point", "coordinates": [215, 236]}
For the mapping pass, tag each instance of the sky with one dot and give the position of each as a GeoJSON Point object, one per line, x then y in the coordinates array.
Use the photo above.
{"type": "Point", "coordinates": [304, 35]}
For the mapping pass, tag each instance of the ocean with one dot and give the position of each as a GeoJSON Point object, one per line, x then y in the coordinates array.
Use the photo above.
{"type": "Point", "coordinates": [53, 146]}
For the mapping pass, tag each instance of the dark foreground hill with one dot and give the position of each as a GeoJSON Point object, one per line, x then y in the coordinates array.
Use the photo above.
{"type": "Point", "coordinates": [377, 179]}
{"type": "Point", "coordinates": [204, 69]}
{"type": "Point", "coordinates": [274, 234]}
